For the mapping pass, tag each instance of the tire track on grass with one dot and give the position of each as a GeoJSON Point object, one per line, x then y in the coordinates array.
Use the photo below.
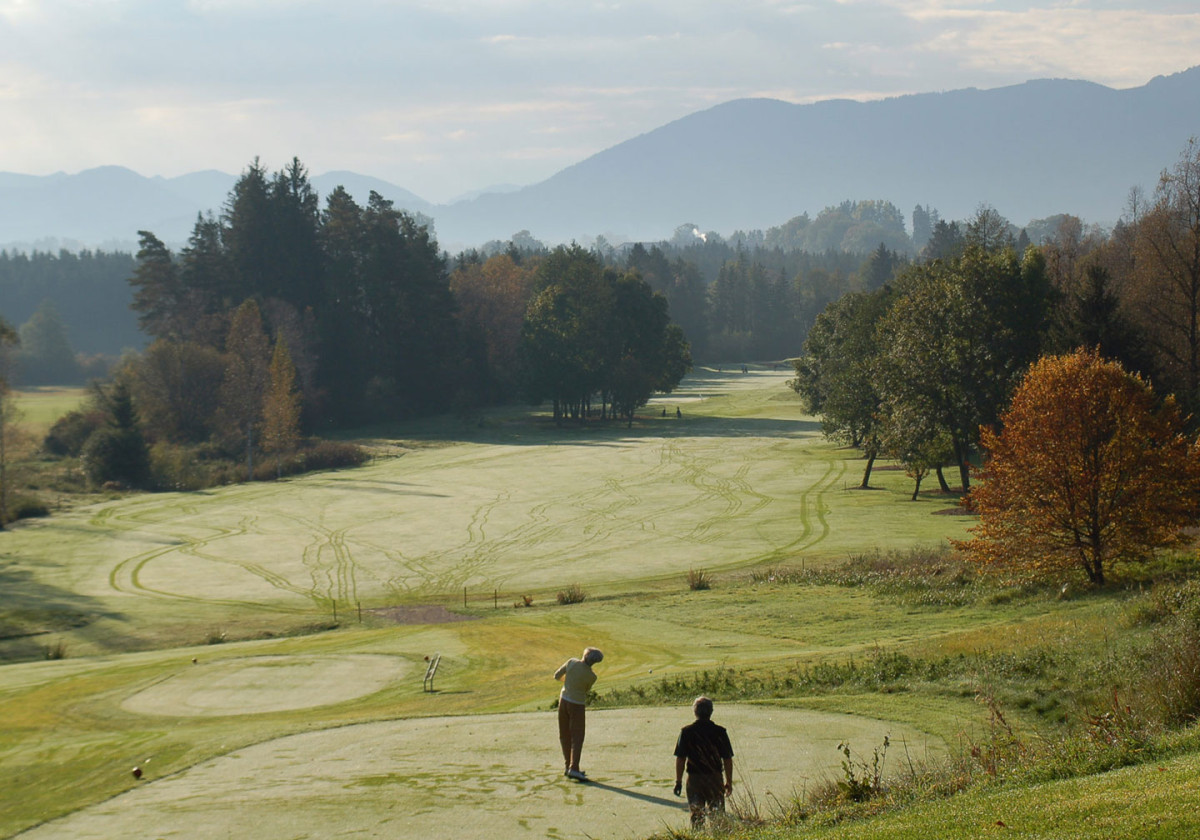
{"type": "Point", "coordinates": [814, 523]}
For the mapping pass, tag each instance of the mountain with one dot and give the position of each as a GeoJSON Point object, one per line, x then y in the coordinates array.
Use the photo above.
{"type": "Point", "coordinates": [1030, 150]}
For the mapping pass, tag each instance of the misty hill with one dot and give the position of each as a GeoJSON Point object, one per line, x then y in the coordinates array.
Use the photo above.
{"type": "Point", "coordinates": [107, 206]}
{"type": "Point", "coordinates": [1030, 150]}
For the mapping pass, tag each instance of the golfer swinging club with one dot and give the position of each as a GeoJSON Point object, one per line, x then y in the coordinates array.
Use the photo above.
{"type": "Point", "coordinates": [703, 747]}
{"type": "Point", "coordinates": [578, 678]}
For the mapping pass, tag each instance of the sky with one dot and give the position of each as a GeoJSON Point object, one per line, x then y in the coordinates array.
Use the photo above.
{"type": "Point", "coordinates": [443, 97]}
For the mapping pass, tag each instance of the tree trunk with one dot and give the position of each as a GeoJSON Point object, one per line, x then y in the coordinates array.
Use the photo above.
{"type": "Point", "coordinates": [964, 469]}
{"type": "Point", "coordinates": [250, 454]}
{"type": "Point", "coordinates": [866, 481]}
{"type": "Point", "coordinates": [942, 483]}
{"type": "Point", "coordinates": [917, 485]}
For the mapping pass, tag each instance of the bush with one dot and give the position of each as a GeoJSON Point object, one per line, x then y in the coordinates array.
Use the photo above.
{"type": "Point", "coordinates": [116, 455]}
{"type": "Point", "coordinates": [184, 467]}
{"type": "Point", "coordinates": [1171, 670]}
{"type": "Point", "coordinates": [573, 594]}
{"type": "Point", "coordinates": [699, 580]}
{"type": "Point", "coordinates": [71, 431]}
{"type": "Point", "coordinates": [176, 467]}
{"type": "Point", "coordinates": [319, 455]}
{"type": "Point", "coordinates": [23, 506]}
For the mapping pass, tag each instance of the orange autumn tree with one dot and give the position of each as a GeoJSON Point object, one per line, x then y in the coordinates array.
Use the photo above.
{"type": "Point", "coordinates": [1089, 470]}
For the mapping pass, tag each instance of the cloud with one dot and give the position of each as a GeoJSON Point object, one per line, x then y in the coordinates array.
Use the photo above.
{"type": "Point", "coordinates": [445, 95]}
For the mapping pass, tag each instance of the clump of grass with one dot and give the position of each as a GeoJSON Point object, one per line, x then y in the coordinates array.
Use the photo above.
{"type": "Point", "coordinates": [58, 650]}
{"type": "Point", "coordinates": [699, 580]}
{"type": "Point", "coordinates": [1163, 603]}
{"type": "Point", "coordinates": [573, 594]}
{"type": "Point", "coordinates": [921, 576]}
{"type": "Point", "coordinates": [215, 636]}
{"type": "Point", "coordinates": [1170, 682]}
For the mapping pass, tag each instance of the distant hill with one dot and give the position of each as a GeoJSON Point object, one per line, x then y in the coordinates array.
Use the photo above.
{"type": "Point", "coordinates": [1030, 150]}
{"type": "Point", "coordinates": [107, 206]}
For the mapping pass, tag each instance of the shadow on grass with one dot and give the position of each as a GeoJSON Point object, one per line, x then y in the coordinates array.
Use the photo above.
{"type": "Point", "coordinates": [533, 429]}
{"type": "Point", "coordinates": [33, 611]}
{"type": "Point", "coordinates": [641, 797]}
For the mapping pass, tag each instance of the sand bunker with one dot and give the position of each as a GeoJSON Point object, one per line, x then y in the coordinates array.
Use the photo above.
{"type": "Point", "coordinates": [266, 684]}
{"type": "Point", "coordinates": [474, 778]}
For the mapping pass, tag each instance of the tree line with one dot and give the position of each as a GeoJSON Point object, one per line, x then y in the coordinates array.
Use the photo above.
{"type": "Point", "coordinates": [924, 368]}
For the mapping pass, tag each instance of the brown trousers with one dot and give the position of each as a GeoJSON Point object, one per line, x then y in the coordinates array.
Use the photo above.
{"type": "Point", "coordinates": [570, 731]}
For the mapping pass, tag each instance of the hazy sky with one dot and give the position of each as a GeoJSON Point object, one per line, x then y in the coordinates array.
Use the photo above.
{"type": "Point", "coordinates": [446, 96]}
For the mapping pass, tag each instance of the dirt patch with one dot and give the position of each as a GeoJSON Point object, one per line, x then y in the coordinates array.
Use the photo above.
{"type": "Point", "coordinates": [954, 511]}
{"type": "Point", "coordinates": [422, 614]}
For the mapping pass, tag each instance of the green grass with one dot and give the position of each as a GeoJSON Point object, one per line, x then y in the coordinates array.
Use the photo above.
{"type": "Point", "coordinates": [532, 514]}
{"type": "Point", "coordinates": [743, 487]}
{"type": "Point", "coordinates": [1153, 801]}
{"type": "Point", "coordinates": [39, 407]}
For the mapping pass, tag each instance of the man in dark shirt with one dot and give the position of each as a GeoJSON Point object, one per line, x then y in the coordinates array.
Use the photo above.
{"type": "Point", "coordinates": [703, 749]}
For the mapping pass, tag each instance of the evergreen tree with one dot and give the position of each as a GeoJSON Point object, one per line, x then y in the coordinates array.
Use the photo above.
{"type": "Point", "coordinates": [158, 291]}
{"type": "Point", "coordinates": [118, 452]}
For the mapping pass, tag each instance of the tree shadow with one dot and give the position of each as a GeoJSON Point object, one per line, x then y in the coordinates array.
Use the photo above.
{"type": "Point", "coordinates": [33, 611]}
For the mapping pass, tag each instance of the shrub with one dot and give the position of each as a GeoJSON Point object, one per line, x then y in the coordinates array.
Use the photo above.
{"type": "Point", "coordinates": [1171, 670]}
{"type": "Point", "coordinates": [22, 506]}
{"type": "Point", "coordinates": [573, 594]}
{"type": "Point", "coordinates": [58, 650]}
{"type": "Point", "coordinates": [698, 580]}
{"type": "Point", "coordinates": [182, 467]}
{"type": "Point", "coordinates": [71, 431]}
{"type": "Point", "coordinates": [320, 455]}
{"type": "Point", "coordinates": [116, 455]}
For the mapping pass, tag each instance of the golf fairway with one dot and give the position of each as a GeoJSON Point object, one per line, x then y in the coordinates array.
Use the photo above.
{"type": "Point", "coordinates": [257, 650]}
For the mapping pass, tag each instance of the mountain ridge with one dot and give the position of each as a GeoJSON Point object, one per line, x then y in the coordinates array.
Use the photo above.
{"type": "Point", "coordinates": [1030, 150]}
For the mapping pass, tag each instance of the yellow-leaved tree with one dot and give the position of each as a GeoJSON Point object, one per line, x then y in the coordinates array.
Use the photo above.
{"type": "Point", "coordinates": [1089, 470]}
{"type": "Point", "coordinates": [281, 407]}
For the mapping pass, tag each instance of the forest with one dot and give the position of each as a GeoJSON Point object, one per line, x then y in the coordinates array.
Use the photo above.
{"type": "Point", "coordinates": [921, 366]}
{"type": "Point", "coordinates": [905, 343]}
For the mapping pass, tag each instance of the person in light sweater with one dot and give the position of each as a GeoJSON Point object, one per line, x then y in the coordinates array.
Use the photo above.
{"type": "Point", "coordinates": [578, 678]}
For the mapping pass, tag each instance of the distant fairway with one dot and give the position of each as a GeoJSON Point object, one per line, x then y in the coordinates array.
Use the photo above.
{"type": "Point", "coordinates": [528, 510]}
{"type": "Point", "coordinates": [472, 778]}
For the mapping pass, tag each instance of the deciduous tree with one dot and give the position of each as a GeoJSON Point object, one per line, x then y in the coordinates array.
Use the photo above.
{"type": "Point", "coordinates": [1089, 470]}
{"type": "Point", "coordinates": [281, 407]}
{"type": "Point", "coordinates": [837, 375]}
{"type": "Point", "coordinates": [247, 375]}
{"type": "Point", "coordinates": [1166, 291]}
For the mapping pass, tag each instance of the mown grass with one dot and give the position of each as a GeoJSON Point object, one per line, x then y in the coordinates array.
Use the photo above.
{"type": "Point", "coordinates": [820, 597]}
{"type": "Point", "coordinates": [38, 408]}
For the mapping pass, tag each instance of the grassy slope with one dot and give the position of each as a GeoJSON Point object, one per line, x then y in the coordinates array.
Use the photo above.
{"type": "Point", "coordinates": [1157, 801]}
